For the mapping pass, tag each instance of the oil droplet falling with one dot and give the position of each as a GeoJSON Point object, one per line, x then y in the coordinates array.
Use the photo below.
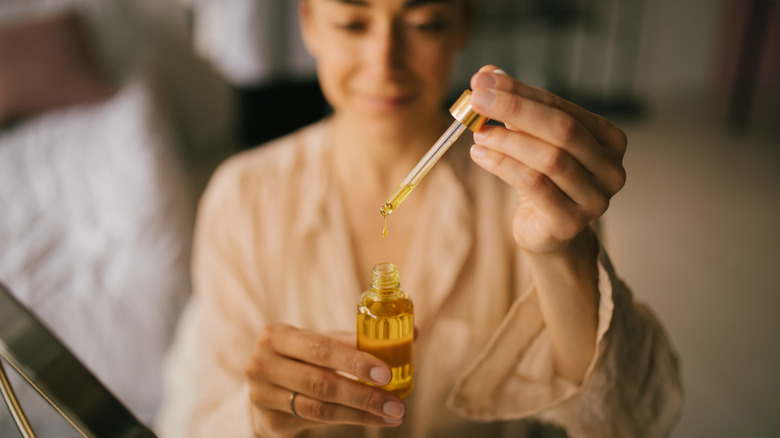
{"type": "Point", "coordinates": [398, 196]}
{"type": "Point", "coordinates": [385, 211]}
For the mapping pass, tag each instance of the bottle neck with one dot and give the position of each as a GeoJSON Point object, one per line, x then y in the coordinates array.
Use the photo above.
{"type": "Point", "coordinates": [385, 279]}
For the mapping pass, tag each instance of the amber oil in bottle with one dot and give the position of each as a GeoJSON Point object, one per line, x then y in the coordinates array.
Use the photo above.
{"type": "Point", "coordinates": [385, 326]}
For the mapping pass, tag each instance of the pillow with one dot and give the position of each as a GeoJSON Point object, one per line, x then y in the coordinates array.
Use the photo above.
{"type": "Point", "coordinates": [46, 63]}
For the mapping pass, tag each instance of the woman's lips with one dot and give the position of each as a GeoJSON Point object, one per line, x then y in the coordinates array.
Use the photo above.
{"type": "Point", "coordinates": [387, 102]}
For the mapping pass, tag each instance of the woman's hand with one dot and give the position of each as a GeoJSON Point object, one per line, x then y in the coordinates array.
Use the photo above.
{"type": "Point", "coordinates": [565, 162]}
{"type": "Point", "coordinates": [288, 361]}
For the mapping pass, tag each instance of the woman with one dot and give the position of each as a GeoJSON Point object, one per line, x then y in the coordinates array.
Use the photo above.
{"type": "Point", "coordinates": [519, 313]}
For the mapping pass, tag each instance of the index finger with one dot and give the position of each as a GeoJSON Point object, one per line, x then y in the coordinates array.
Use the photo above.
{"type": "Point", "coordinates": [330, 353]}
{"type": "Point", "coordinates": [604, 131]}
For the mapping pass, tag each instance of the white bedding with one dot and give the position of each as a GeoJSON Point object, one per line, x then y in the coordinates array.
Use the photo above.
{"type": "Point", "coordinates": [96, 208]}
{"type": "Point", "coordinates": [95, 223]}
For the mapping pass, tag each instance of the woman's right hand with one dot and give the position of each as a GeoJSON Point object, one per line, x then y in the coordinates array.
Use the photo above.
{"type": "Point", "coordinates": [287, 360]}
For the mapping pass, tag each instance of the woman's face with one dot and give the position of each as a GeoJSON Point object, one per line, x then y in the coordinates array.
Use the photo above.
{"type": "Point", "coordinates": [385, 61]}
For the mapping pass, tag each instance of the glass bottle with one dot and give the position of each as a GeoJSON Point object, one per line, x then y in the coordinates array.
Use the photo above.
{"type": "Point", "coordinates": [385, 326]}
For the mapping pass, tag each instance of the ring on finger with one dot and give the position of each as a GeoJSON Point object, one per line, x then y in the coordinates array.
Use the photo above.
{"type": "Point", "coordinates": [292, 404]}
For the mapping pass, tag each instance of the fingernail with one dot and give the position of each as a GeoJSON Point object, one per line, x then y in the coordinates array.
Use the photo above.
{"type": "Point", "coordinates": [478, 151]}
{"type": "Point", "coordinates": [380, 375]}
{"type": "Point", "coordinates": [395, 421]}
{"type": "Point", "coordinates": [393, 409]}
{"type": "Point", "coordinates": [484, 80]}
{"type": "Point", "coordinates": [482, 133]}
{"type": "Point", "coordinates": [483, 98]}
{"type": "Point", "coordinates": [499, 71]}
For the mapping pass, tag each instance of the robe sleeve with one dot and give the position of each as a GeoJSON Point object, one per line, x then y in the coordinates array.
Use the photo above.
{"type": "Point", "coordinates": [209, 393]}
{"type": "Point", "coordinates": [631, 388]}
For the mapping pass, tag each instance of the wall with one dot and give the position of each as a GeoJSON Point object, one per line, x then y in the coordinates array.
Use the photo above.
{"type": "Point", "coordinates": [676, 47]}
{"type": "Point", "coordinates": [693, 232]}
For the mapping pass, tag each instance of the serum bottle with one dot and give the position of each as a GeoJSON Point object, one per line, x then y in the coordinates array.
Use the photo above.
{"type": "Point", "coordinates": [385, 326]}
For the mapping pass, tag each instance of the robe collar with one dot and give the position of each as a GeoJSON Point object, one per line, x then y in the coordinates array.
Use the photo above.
{"type": "Point", "coordinates": [442, 239]}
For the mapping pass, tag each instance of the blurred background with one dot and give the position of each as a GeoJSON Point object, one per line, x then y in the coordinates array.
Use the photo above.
{"type": "Point", "coordinates": [113, 115]}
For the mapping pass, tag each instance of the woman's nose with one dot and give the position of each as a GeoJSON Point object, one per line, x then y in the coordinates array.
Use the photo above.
{"type": "Point", "coordinates": [386, 51]}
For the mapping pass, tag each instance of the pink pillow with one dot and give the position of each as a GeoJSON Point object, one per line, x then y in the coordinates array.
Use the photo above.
{"type": "Point", "coordinates": [47, 63]}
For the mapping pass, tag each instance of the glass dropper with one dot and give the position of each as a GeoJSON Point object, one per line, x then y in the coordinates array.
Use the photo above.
{"type": "Point", "coordinates": [465, 117]}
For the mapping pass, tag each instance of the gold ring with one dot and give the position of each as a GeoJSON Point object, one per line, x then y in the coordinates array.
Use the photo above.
{"type": "Point", "coordinates": [292, 405]}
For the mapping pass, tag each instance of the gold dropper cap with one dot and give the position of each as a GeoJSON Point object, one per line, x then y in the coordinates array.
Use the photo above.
{"type": "Point", "coordinates": [464, 113]}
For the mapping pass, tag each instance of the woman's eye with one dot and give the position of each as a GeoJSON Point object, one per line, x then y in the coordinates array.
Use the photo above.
{"type": "Point", "coordinates": [351, 26]}
{"type": "Point", "coordinates": [429, 26]}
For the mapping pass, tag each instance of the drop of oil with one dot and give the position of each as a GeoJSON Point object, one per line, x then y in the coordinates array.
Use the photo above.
{"type": "Point", "coordinates": [385, 211]}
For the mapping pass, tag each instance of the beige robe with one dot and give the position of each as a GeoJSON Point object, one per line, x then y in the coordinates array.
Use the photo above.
{"type": "Point", "coordinates": [271, 245]}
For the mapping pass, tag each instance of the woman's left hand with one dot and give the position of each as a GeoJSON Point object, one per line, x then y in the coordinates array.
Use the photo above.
{"type": "Point", "coordinates": [565, 162]}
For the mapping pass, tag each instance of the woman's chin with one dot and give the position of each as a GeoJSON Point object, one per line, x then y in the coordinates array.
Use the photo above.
{"type": "Point", "coordinates": [389, 119]}
{"type": "Point", "coordinates": [386, 124]}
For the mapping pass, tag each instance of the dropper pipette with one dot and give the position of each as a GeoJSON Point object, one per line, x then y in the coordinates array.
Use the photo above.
{"type": "Point", "coordinates": [465, 117]}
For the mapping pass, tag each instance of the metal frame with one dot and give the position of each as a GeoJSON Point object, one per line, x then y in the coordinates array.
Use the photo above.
{"type": "Point", "coordinates": [59, 377]}
{"type": "Point", "coordinates": [14, 406]}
